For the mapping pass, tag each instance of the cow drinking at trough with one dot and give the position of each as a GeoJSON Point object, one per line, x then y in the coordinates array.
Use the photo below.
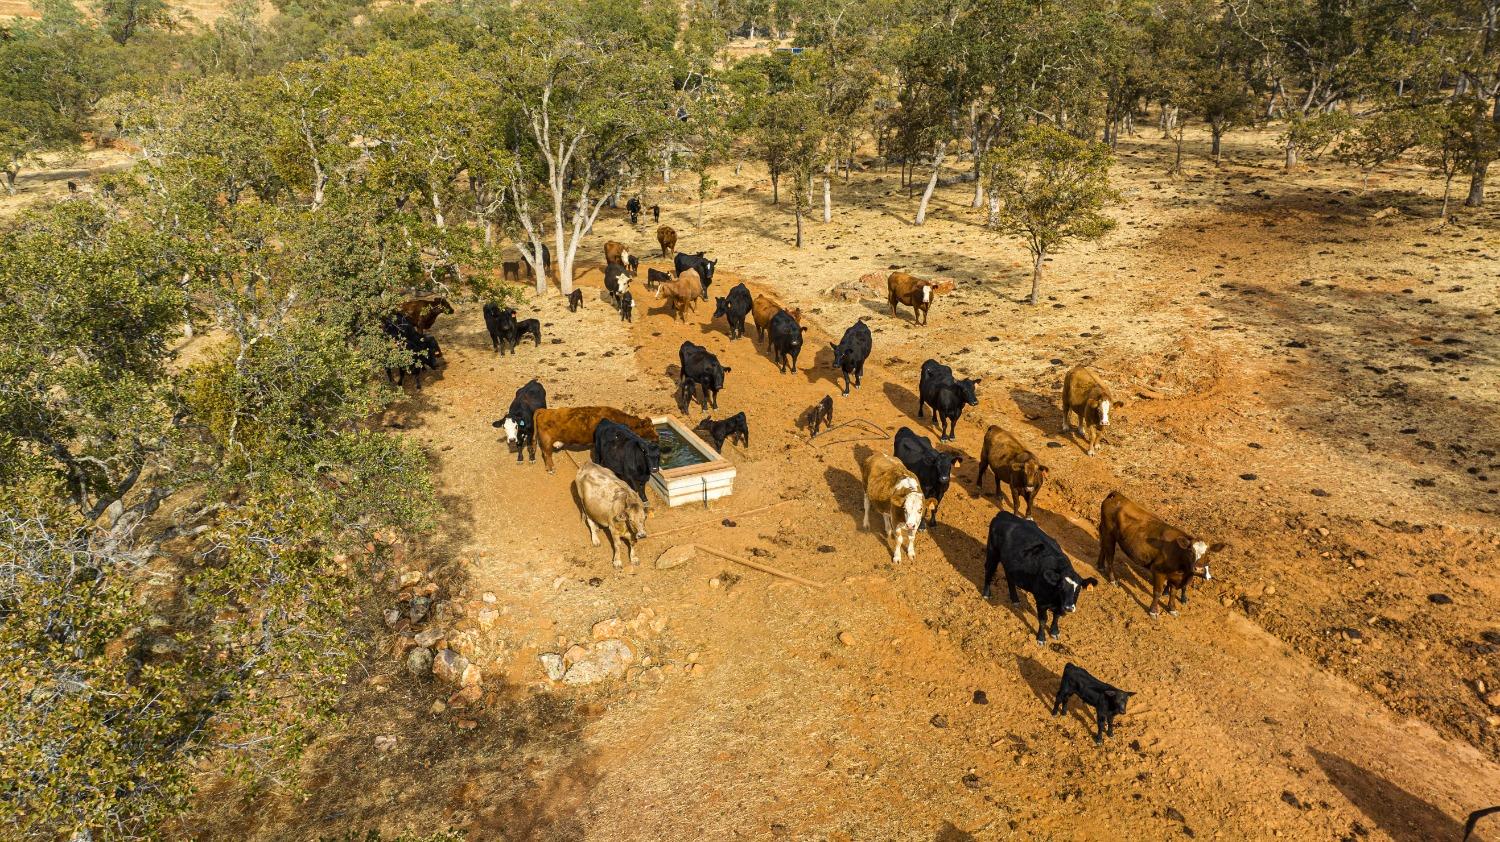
{"type": "Point", "coordinates": [1085, 396]}
{"type": "Point", "coordinates": [705, 268]}
{"type": "Point", "coordinates": [604, 500]}
{"type": "Point", "coordinates": [850, 354]}
{"type": "Point", "coordinates": [945, 395]}
{"type": "Point", "coordinates": [932, 467]}
{"type": "Point", "coordinates": [519, 421]}
{"type": "Point", "coordinates": [734, 307]}
{"type": "Point", "coordinates": [897, 496]}
{"type": "Point", "coordinates": [574, 426]}
{"type": "Point", "coordinates": [734, 428]}
{"type": "Point", "coordinates": [1106, 700]}
{"type": "Point", "coordinates": [1171, 556]}
{"type": "Point", "coordinates": [629, 456]}
{"type": "Point", "coordinates": [667, 238]}
{"type": "Point", "coordinates": [1034, 562]}
{"type": "Point", "coordinates": [1013, 465]}
{"type": "Point", "coordinates": [916, 293]}
{"type": "Point", "coordinates": [786, 340]}
{"type": "Point", "coordinates": [700, 369]}
{"type": "Point", "coordinates": [763, 309]}
{"type": "Point", "coordinates": [681, 294]}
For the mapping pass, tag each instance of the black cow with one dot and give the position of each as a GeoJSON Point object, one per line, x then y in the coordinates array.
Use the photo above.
{"type": "Point", "coordinates": [683, 262]}
{"type": "Point", "coordinates": [631, 457]}
{"type": "Point", "coordinates": [850, 354]}
{"type": "Point", "coordinates": [656, 277]}
{"type": "Point", "coordinates": [505, 332]}
{"type": "Point", "coordinates": [633, 207]}
{"type": "Point", "coordinates": [734, 428]}
{"type": "Point", "coordinates": [656, 213]}
{"type": "Point", "coordinates": [945, 395]}
{"type": "Point", "coordinates": [527, 327]}
{"type": "Point", "coordinates": [700, 368]}
{"type": "Point", "coordinates": [627, 308]}
{"type": "Point", "coordinates": [1107, 700]}
{"type": "Point", "coordinates": [517, 422]}
{"type": "Point", "coordinates": [934, 468]}
{"type": "Point", "coordinates": [1035, 563]}
{"type": "Point", "coordinates": [423, 349]}
{"type": "Point", "coordinates": [786, 339]}
{"type": "Point", "coordinates": [616, 281]}
{"type": "Point", "coordinates": [734, 307]}
{"type": "Point", "coordinates": [575, 300]}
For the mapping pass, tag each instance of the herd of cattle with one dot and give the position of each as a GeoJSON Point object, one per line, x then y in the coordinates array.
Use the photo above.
{"type": "Point", "coordinates": [904, 488]}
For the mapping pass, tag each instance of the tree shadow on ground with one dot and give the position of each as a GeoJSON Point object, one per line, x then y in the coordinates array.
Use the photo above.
{"type": "Point", "coordinates": [1400, 814]}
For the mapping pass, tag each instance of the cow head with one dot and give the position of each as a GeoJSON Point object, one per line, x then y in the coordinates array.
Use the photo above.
{"type": "Point", "coordinates": [1032, 472]}
{"type": "Point", "coordinates": [966, 388]}
{"type": "Point", "coordinates": [913, 509]}
{"type": "Point", "coordinates": [1196, 553]}
{"type": "Point", "coordinates": [1102, 405]}
{"type": "Point", "coordinates": [944, 465]}
{"type": "Point", "coordinates": [442, 304]}
{"type": "Point", "coordinates": [708, 269]}
{"type": "Point", "coordinates": [1115, 700]}
{"type": "Point", "coordinates": [630, 520]}
{"type": "Point", "coordinates": [1068, 585]}
{"type": "Point", "coordinates": [512, 426]}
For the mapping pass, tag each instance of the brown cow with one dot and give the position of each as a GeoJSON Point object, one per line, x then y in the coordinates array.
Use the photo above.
{"type": "Point", "coordinates": [916, 293]}
{"type": "Point", "coordinates": [897, 495]}
{"type": "Point", "coordinates": [668, 240]}
{"type": "Point", "coordinates": [574, 426]}
{"type": "Point", "coordinates": [1013, 464]}
{"type": "Point", "coordinates": [1171, 556]}
{"type": "Point", "coordinates": [682, 293]}
{"type": "Point", "coordinates": [423, 312]}
{"type": "Point", "coordinates": [615, 252]}
{"type": "Point", "coordinates": [764, 308]}
{"type": "Point", "coordinates": [1086, 396]}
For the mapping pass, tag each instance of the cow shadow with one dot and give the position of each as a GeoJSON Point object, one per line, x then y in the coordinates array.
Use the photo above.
{"type": "Point", "coordinates": [848, 490]}
{"type": "Point", "coordinates": [1041, 412]}
{"type": "Point", "coordinates": [1402, 815]}
{"type": "Point", "coordinates": [903, 399]}
{"type": "Point", "coordinates": [821, 367]}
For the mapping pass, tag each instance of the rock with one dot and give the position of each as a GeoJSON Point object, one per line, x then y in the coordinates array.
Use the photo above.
{"type": "Point", "coordinates": [575, 654]}
{"type": "Point", "coordinates": [1174, 815]}
{"type": "Point", "coordinates": [1322, 532]}
{"type": "Point", "coordinates": [437, 707]}
{"type": "Point", "coordinates": [410, 577]}
{"type": "Point", "coordinates": [419, 608]}
{"type": "Point", "coordinates": [428, 637]}
{"type": "Point", "coordinates": [714, 582]}
{"type": "Point", "coordinates": [451, 667]}
{"type": "Point", "coordinates": [1492, 698]}
{"type": "Point", "coordinates": [419, 661]}
{"type": "Point", "coordinates": [467, 724]}
{"type": "Point", "coordinates": [1439, 599]}
{"type": "Point", "coordinates": [1270, 590]}
{"type": "Point", "coordinates": [676, 556]}
{"type": "Point", "coordinates": [1318, 492]}
{"type": "Point", "coordinates": [488, 597]}
{"type": "Point", "coordinates": [486, 617]}
{"type": "Point", "coordinates": [552, 664]}
{"type": "Point", "coordinates": [392, 617]}
{"type": "Point", "coordinates": [981, 698]}
{"type": "Point", "coordinates": [605, 629]}
{"type": "Point", "coordinates": [971, 781]}
{"type": "Point", "coordinates": [939, 721]}
{"type": "Point", "coordinates": [1248, 477]}
{"type": "Point", "coordinates": [466, 696]}
{"type": "Point", "coordinates": [605, 659]}
{"type": "Point", "coordinates": [846, 638]}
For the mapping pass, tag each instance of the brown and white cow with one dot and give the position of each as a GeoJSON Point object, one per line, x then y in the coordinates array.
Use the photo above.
{"type": "Point", "coordinates": [682, 293]}
{"type": "Point", "coordinates": [606, 501]}
{"type": "Point", "coordinates": [916, 293]}
{"type": "Point", "coordinates": [574, 426]}
{"type": "Point", "coordinates": [616, 253]}
{"type": "Point", "coordinates": [897, 495]}
{"type": "Point", "coordinates": [1014, 465]}
{"type": "Point", "coordinates": [667, 238]}
{"type": "Point", "coordinates": [764, 308]}
{"type": "Point", "coordinates": [1086, 396]}
{"type": "Point", "coordinates": [1172, 557]}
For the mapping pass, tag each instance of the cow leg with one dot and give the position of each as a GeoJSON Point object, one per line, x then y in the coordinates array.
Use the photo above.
{"type": "Point", "coordinates": [1156, 582]}
{"type": "Point", "coordinates": [990, 563]}
{"type": "Point", "coordinates": [1171, 599]}
{"type": "Point", "coordinates": [1041, 625]}
{"type": "Point", "coordinates": [1099, 717]}
{"type": "Point", "coordinates": [1093, 435]}
{"type": "Point", "coordinates": [920, 402]}
{"type": "Point", "coordinates": [547, 455]}
{"type": "Point", "coordinates": [593, 531]}
{"type": "Point", "coordinates": [1056, 615]}
{"type": "Point", "coordinates": [846, 384]}
{"type": "Point", "coordinates": [867, 511]}
{"type": "Point", "coordinates": [1011, 586]}
{"type": "Point", "coordinates": [1182, 593]}
{"type": "Point", "coordinates": [714, 396]}
{"type": "Point", "coordinates": [911, 546]}
{"type": "Point", "coordinates": [859, 375]}
{"type": "Point", "coordinates": [1060, 704]}
{"type": "Point", "coordinates": [886, 518]}
{"type": "Point", "coordinates": [1106, 560]}
{"type": "Point", "coordinates": [614, 548]}
{"type": "Point", "coordinates": [984, 465]}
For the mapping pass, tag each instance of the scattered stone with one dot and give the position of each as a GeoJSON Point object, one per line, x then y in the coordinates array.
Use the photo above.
{"type": "Point", "coordinates": [1492, 698]}
{"type": "Point", "coordinates": [825, 548]}
{"type": "Point", "coordinates": [488, 597]}
{"type": "Point", "coordinates": [428, 637]}
{"type": "Point", "coordinates": [1322, 532]}
{"type": "Point", "coordinates": [1318, 492]}
{"type": "Point", "coordinates": [552, 664]}
{"type": "Point", "coordinates": [981, 697]}
{"type": "Point", "coordinates": [729, 523]}
{"type": "Point", "coordinates": [846, 638]}
{"type": "Point", "coordinates": [466, 696]}
{"type": "Point", "coordinates": [939, 721]}
{"type": "Point", "coordinates": [487, 617]}
{"type": "Point", "coordinates": [392, 617]}
{"type": "Point", "coordinates": [450, 666]}
{"type": "Point", "coordinates": [605, 629]}
{"type": "Point", "coordinates": [419, 608]}
{"type": "Point", "coordinates": [437, 707]}
{"type": "Point", "coordinates": [1174, 815]}
{"type": "Point", "coordinates": [467, 724]}
{"type": "Point", "coordinates": [605, 659]}
{"type": "Point", "coordinates": [1439, 599]}
{"type": "Point", "coordinates": [714, 582]}
{"type": "Point", "coordinates": [971, 781]}
{"type": "Point", "coordinates": [675, 556]}
{"type": "Point", "coordinates": [419, 661]}
{"type": "Point", "coordinates": [1248, 477]}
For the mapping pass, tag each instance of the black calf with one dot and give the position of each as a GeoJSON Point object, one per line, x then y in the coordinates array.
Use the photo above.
{"type": "Point", "coordinates": [1106, 700]}
{"type": "Point", "coordinates": [575, 300]}
{"type": "Point", "coordinates": [734, 428]}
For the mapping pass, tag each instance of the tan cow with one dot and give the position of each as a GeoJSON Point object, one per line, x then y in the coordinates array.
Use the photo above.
{"type": "Point", "coordinates": [764, 308]}
{"type": "Point", "coordinates": [1086, 396]}
{"type": "Point", "coordinates": [895, 491]}
{"type": "Point", "coordinates": [1014, 465]}
{"type": "Point", "coordinates": [606, 502]}
{"type": "Point", "coordinates": [668, 240]}
{"type": "Point", "coordinates": [682, 293]}
{"type": "Point", "coordinates": [916, 293]}
{"type": "Point", "coordinates": [1171, 556]}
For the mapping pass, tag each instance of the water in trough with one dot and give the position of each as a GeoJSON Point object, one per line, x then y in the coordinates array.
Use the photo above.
{"type": "Point", "coordinates": [677, 452]}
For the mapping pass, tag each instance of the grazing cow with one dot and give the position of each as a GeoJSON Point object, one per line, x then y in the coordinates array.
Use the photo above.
{"type": "Point", "coordinates": [616, 281]}
{"type": "Point", "coordinates": [423, 349]}
{"type": "Point", "coordinates": [916, 293]}
{"type": "Point", "coordinates": [520, 428]}
{"type": "Point", "coordinates": [681, 294]}
{"type": "Point", "coordinates": [1171, 556]}
{"type": "Point", "coordinates": [667, 238]}
{"type": "Point", "coordinates": [575, 300]}
{"type": "Point", "coordinates": [734, 428]}
{"type": "Point", "coordinates": [945, 395]}
{"type": "Point", "coordinates": [656, 213]}
{"type": "Point", "coordinates": [1014, 465]}
{"type": "Point", "coordinates": [574, 426]}
{"type": "Point", "coordinates": [423, 312]}
{"type": "Point", "coordinates": [511, 270]}
{"type": "Point", "coordinates": [656, 277]}
{"type": "Point", "coordinates": [932, 467]}
{"type": "Point", "coordinates": [1085, 396]}
{"type": "Point", "coordinates": [818, 415]}
{"type": "Point", "coordinates": [699, 369]}
{"type": "Point", "coordinates": [705, 268]}
{"type": "Point", "coordinates": [896, 492]}
{"type": "Point", "coordinates": [850, 354]}
{"type": "Point", "coordinates": [734, 307]}
{"type": "Point", "coordinates": [633, 207]}
{"type": "Point", "coordinates": [627, 308]}
{"type": "Point", "coordinates": [631, 457]}
{"type": "Point", "coordinates": [1106, 700]}
{"type": "Point", "coordinates": [604, 500]}
{"type": "Point", "coordinates": [1035, 563]}
{"type": "Point", "coordinates": [615, 254]}
{"type": "Point", "coordinates": [786, 340]}
{"type": "Point", "coordinates": [763, 309]}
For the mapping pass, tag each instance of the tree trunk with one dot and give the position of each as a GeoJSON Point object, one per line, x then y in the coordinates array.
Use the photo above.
{"type": "Point", "coordinates": [978, 182]}
{"type": "Point", "coordinates": [1036, 277]}
{"type": "Point", "coordinates": [1291, 154]}
{"type": "Point", "coordinates": [10, 181]}
{"type": "Point", "coordinates": [1447, 191]}
{"type": "Point", "coordinates": [798, 212]}
{"type": "Point", "coordinates": [666, 168]}
{"type": "Point", "coordinates": [827, 194]}
{"type": "Point", "coordinates": [1177, 163]}
{"type": "Point", "coordinates": [1475, 198]}
{"type": "Point", "coordinates": [937, 167]}
{"type": "Point", "coordinates": [1217, 134]}
{"type": "Point", "coordinates": [775, 187]}
{"type": "Point", "coordinates": [994, 208]}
